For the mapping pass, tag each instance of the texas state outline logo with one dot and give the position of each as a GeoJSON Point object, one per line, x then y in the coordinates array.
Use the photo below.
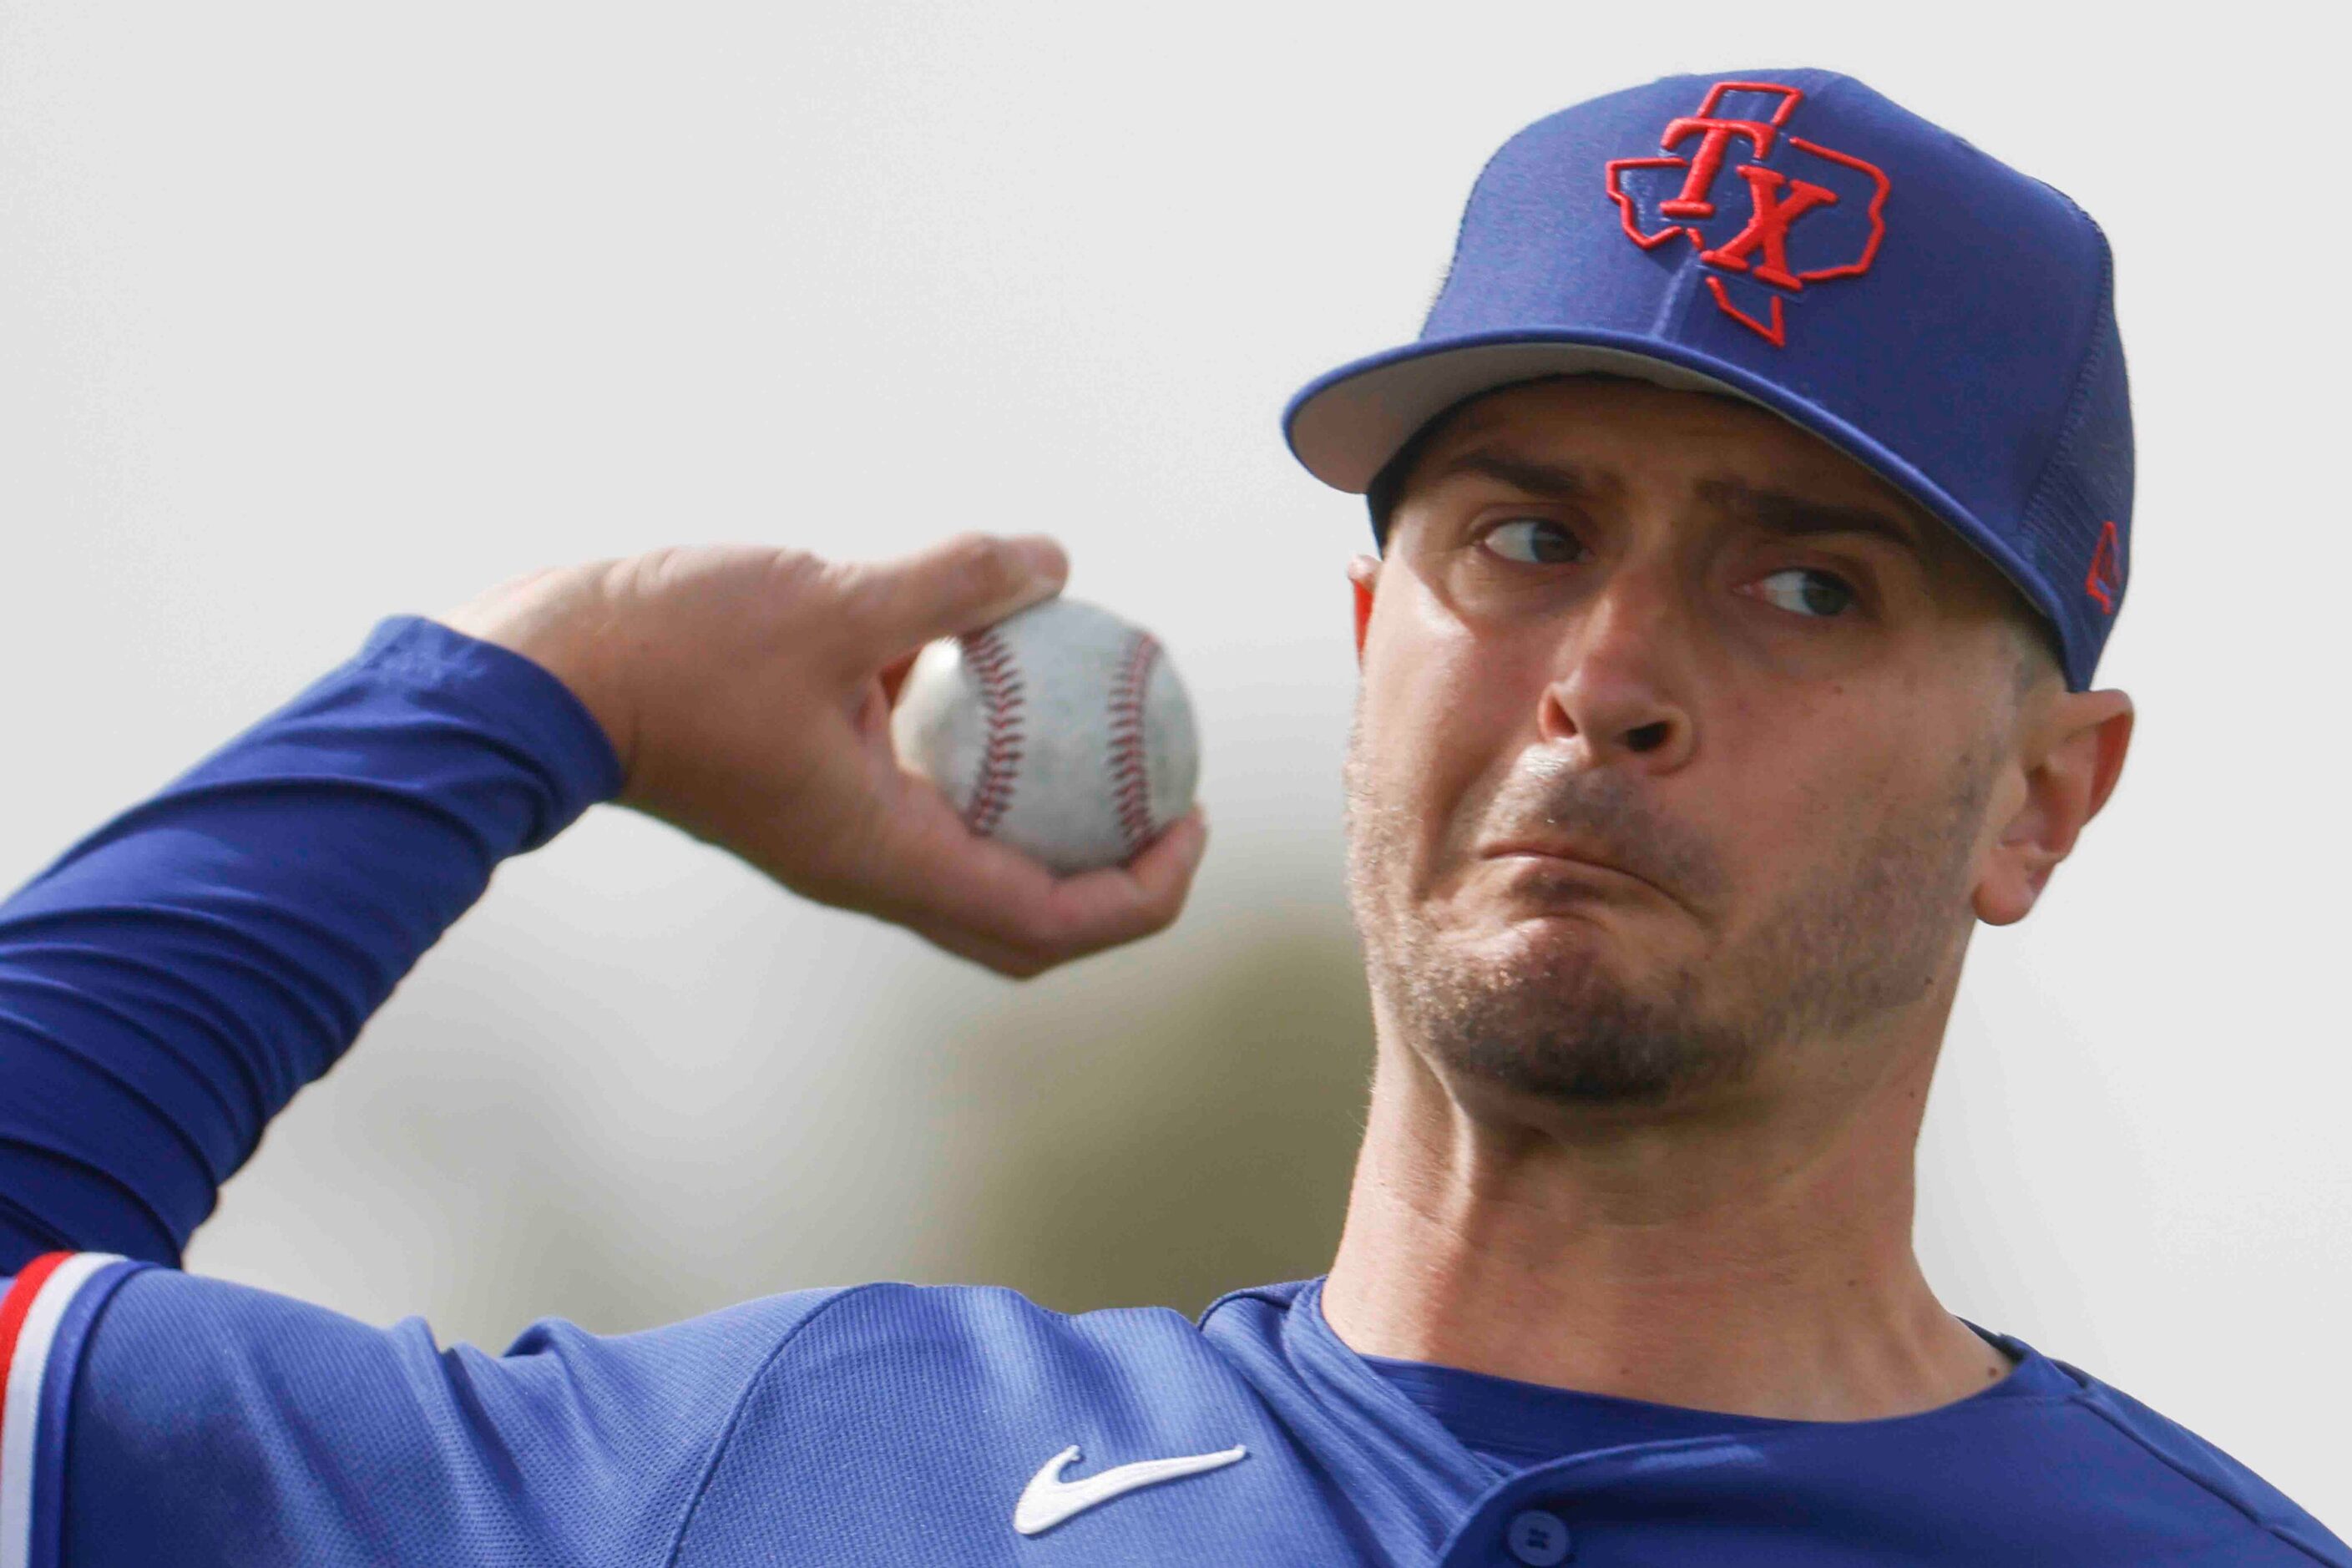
{"type": "Point", "coordinates": [1810, 213]}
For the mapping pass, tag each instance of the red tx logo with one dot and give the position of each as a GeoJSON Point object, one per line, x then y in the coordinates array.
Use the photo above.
{"type": "Point", "coordinates": [1777, 200]}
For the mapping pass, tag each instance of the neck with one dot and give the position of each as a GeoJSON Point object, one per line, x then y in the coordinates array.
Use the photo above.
{"type": "Point", "coordinates": [1736, 1261]}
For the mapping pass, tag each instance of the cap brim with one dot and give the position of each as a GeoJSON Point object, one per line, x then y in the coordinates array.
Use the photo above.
{"type": "Point", "coordinates": [1346, 424]}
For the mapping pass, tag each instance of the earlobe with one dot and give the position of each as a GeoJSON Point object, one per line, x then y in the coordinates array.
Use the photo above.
{"type": "Point", "coordinates": [1363, 572]}
{"type": "Point", "coordinates": [2065, 787]}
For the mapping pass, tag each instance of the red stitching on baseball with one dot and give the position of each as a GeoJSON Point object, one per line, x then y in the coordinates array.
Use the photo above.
{"type": "Point", "coordinates": [1001, 702]}
{"type": "Point", "coordinates": [1131, 782]}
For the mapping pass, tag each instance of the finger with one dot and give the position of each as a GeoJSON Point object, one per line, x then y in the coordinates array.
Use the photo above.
{"type": "Point", "coordinates": [1012, 962]}
{"type": "Point", "coordinates": [1123, 903]}
{"type": "Point", "coordinates": [1021, 960]}
{"type": "Point", "coordinates": [998, 907]}
{"type": "Point", "coordinates": [956, 585]}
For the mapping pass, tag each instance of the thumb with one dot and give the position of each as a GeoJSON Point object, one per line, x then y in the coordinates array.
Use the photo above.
{"type": "Point", "coordinates": [956, 585]}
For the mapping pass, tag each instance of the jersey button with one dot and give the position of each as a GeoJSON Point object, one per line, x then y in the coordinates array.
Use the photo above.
{"type": "Point", "coordinates": [1537, 1538]}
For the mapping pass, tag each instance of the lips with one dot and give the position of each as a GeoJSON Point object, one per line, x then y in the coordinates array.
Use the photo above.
{"type": "Point", "coordinates": [1567, 854]}
{"type": "Point", "coordinates": [1577, 853]}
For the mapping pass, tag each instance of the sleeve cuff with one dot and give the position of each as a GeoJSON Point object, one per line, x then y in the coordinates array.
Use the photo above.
{"type": "Point", "coordinates": [527, 698]}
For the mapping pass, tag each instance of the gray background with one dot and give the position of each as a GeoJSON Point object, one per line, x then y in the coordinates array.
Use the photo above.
{"type": "Point", "coordinates": [314, 315]}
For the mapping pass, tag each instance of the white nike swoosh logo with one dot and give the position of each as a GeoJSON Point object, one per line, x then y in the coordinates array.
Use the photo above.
{"type": "Point", "coordinates": [1048, 1499]}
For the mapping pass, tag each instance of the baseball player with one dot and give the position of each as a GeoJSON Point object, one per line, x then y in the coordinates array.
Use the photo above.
{"type": "Point", "coordinates": [1751, 512]}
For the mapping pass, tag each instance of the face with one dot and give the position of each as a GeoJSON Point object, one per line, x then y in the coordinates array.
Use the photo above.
{"type": "Point", "coordinates": [1673, 749]}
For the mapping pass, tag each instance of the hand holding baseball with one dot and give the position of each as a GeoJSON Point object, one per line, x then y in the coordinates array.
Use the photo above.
{"type": "Point", "coordinates": [748, 691]}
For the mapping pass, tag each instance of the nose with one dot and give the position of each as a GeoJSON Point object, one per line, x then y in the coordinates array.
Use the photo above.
{"type": "Point", "coordinates": [1618, 687]}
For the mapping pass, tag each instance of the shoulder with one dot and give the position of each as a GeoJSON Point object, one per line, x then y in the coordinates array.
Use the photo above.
{"type": "Point", "coordinates": [937, 1395]}
{"type": "Point", "coordinates": [986, 1332]}
{"type": "Point", "coordinates": [153, 1414]}
{"type": "Point", "coordinates": [990, 1334]}
{"type": "Point", "coordinates": [2199, 1466]}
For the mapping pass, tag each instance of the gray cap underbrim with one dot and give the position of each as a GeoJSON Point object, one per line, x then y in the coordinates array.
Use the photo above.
{"type": "Point", "coordinates": [1345, 427]}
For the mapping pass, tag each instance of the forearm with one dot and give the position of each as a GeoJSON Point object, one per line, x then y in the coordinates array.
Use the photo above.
{"type": "Point", "coordinates": [173, 978]}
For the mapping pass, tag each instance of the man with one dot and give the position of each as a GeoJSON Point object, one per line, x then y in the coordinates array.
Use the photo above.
{"type": "Point", "coordinates": [1753, 510]}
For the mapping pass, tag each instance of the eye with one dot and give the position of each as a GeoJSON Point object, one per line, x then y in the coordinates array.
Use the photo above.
{"type": "Point", "coordinates": [1531, 541]}
{"type": "Point", "coordinates": [1803, 591]}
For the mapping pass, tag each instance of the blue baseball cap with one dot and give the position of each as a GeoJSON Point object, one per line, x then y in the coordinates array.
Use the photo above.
{"type": "Point", "coordinates": [1793, 239]}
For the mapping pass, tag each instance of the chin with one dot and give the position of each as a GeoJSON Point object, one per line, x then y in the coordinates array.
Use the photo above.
{"type": "Point", "coordinates": [1555, 1005]}
{"type": "Point", "coordinates": [1569, 939]}
{"type": "Point", "coordinates": [1551, 963]}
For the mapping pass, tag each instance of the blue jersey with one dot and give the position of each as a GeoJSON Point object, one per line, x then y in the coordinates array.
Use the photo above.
{"type": "Point", "coordinates": [168, 983]}
{"type": "Point", "coordinates": [155, 1417]}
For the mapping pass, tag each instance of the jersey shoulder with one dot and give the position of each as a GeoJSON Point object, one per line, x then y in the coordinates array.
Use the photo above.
{"type": "Point", "coordinates": [2206, 1466]}
{"type": "Point", "coordinates": [957, 1347]}
{"type": "Point", "coordinates": [154, 1415]}
{"type": "Point", "coordinates": [901, 1416]}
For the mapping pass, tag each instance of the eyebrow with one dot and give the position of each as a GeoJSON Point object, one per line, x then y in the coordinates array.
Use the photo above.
{"type": "Point", "coordinates": [1777, 513]}
{"type": "Point", "coordinates": [1801, 516]}
{"type": "Point", "coordinates": [1553, 482]}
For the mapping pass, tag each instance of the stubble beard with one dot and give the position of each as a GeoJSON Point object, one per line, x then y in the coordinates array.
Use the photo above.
{"type": "Point", "coordinates": [1872, 927]}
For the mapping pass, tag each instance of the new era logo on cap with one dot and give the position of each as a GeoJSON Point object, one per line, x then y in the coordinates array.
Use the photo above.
{"type": "Point", "coordinates": [1839, 199]}
{"type": "Point", "coordinates": [2106, 582]}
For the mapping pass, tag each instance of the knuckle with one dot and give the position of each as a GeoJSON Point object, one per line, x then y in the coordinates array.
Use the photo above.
{"type": "Point", "coordinates": [799, 570]}
{"type": "Point", "coordinates": [1023, 948]}
{"type": "Point", "coordinates": [1155, 910]}
{"type": "Point", "coordinates": [645, 576]}
{"type": "Point", "coordinates": [862, 593]}
{"type": "Point", "coordinates": [658, 566]}
{"type": "Point", "coordinates": [1008, 956]}
{"type": "Point", "coordinates": [795, 584]}
{"type": "Point", "coordinates": [1040, 944]}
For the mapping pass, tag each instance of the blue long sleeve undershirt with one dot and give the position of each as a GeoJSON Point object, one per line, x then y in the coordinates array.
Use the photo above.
{"type": "Point", "coordinates": [170, 981]}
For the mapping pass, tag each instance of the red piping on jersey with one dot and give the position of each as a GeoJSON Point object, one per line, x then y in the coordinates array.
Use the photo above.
{"type": "Point", "coordinates": [12, 1309]}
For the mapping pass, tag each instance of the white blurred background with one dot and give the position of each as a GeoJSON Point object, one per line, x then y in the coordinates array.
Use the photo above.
{"type": "Point", "coordinates": [314, 315]}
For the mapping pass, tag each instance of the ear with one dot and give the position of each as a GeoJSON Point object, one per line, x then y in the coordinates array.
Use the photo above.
{"type": "Point", "coordinates": [2068, 774]}
{"type": "Point", "coordinates": [1362, 572]}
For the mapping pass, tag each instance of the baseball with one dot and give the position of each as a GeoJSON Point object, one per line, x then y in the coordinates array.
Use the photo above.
{"type": "Point", "coordinates": [1062, 730]}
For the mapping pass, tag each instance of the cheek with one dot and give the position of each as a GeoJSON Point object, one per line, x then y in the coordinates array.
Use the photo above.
{"type": "Point", "coordinates": [1819, 779]}
{"type": "Point", "coordinates": [1444, 710]}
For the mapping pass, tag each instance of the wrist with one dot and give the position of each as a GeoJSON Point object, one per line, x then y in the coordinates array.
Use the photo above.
{"type": "Point", "coordinates": [555, 618]}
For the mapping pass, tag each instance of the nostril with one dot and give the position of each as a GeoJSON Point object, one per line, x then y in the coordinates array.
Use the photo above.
{"type": "Point", "coordinates": [1648, 738]}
